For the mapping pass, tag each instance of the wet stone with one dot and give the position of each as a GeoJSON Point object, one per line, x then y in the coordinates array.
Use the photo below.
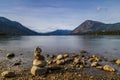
{"type": "Point", "coordinates": [10, 55]}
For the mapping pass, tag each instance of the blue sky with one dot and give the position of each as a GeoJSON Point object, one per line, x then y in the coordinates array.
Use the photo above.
{"type": "Point", "coordinates": [49, 15]}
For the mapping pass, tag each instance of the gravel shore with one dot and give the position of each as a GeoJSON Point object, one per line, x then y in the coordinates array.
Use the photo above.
{"type": "Point", "coordinates": [66, 71]}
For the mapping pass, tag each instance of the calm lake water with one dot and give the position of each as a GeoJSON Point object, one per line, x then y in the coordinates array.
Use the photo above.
{"type": "Point", "coordinates": [102, 45]}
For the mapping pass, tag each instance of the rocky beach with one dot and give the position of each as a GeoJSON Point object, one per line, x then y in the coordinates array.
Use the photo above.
{"type": "Point", "coordinates": [64, 66]}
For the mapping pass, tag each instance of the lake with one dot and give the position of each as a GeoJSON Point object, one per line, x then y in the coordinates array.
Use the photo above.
{"type": "Point", "coordinates": [102, 45]}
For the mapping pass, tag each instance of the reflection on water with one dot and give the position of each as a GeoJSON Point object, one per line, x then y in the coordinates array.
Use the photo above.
{"type": "Point", "coordinates": [103, 45]}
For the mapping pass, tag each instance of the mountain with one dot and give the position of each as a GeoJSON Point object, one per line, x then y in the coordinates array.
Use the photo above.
{"type": "Point", "coordinates": [90, 26]}
{"type": "Point", "coordinates": [8, 27]}
{"type": "Point", "coordinates": [58, 32]}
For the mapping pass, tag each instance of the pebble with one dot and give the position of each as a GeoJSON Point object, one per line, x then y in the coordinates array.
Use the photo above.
{"type": "Point", "coordinates": [59, 57]}
{"type": "Point", "coordinates": [108, 68]}
{"type": "Point", "coordinates": [8, 74]}
{"type": "Point", "coordinates": [117, 61]}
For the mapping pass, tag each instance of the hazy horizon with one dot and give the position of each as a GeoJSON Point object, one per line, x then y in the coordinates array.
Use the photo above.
{"type": "Point", "coordinates": [49, 15]}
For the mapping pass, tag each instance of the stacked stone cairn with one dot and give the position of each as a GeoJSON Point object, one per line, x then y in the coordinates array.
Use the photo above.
{"type": "Point", "coordinates": [39, 63]}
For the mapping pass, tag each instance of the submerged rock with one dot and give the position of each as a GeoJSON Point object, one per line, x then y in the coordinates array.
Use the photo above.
{"type": "Point", "coordinates": [83, 51]}
{"type": "Point", "coordinates": [8, 74]}
{"type": "Point", "coordinates": [17, 63]}
{"type": "Point", "coordinates": [10, 55]}
{"type": "Point", "coordinates": [38, 70]}
{"type": "Point", "coordinates": [108, 68]}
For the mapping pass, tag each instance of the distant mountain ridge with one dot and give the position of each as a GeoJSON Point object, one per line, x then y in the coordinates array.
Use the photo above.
{"type": "Point", "coordinates": [90, 26]}
{"type": "Point", "coordinates": [59, 32]}
{"type": "Point", "coordinates": [13, 28]}
{"type": "Point", "coordinates": [8, 27]}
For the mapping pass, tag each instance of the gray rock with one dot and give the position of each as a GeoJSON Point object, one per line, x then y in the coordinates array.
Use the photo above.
{"type": "Point", "coordinates": [39, 63]}
{"type": "Point", "coordinates": [38, 71]}
{"type": "Point", "coordinates": [59, 57]}
{"type": "Point", "coordinates": [10, 55]}
{"type": "Point", "coordinates": [108, 68]}
{"type": "Point", "coordinates": [8, 74]}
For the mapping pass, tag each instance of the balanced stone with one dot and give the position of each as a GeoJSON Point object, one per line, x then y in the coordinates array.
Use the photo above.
{"type": "Point", "coordinates": [38, 70]}
{"type": "Point", "coordinates": [39, 63]}
{"type": "Point", "coordinates": [37, 54]}
{"type": "Point", "coordinates": [38, 50]}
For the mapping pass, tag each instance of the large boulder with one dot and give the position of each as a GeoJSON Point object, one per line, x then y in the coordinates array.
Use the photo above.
{"type": "Point", "coordinates": [8, 74]}
{"type": "Point", "coordinates": [36, 71]}
{"type": "Point", "coordinates": [117, 61]}
{"type": "Point", "coordinates": [59, 57]}
{"type": "Point", "coordinates": [108, 68]}
{"type": "Point", "coordinates": [39, 63]}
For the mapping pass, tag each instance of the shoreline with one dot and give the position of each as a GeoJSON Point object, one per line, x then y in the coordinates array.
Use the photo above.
{"type": "Point", "coordinates": [64, 71]}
